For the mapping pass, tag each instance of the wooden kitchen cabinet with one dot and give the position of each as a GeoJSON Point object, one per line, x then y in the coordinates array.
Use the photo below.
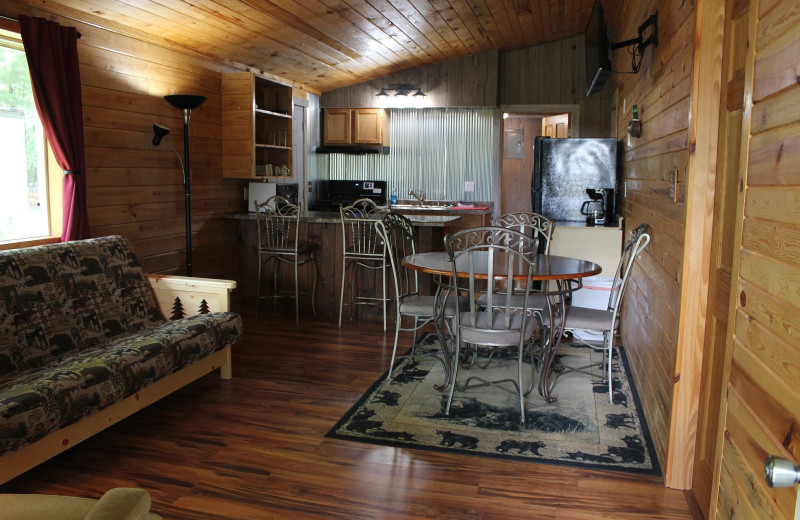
{"type": "Point", "coordinates": [256, 127]}
{"type": "Point", "coordinates": [355, 126]}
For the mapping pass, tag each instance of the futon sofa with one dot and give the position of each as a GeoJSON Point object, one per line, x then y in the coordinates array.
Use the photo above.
{"type": "Point", "coordinates": [84, 342]}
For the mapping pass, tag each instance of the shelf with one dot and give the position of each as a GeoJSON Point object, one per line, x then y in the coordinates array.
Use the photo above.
{"type": "Point", "coordinates": [270, 113]}
{"type": "Point", "coordinates": [273, 146]}
{"type": "Point", "coordinates": [255, 136]}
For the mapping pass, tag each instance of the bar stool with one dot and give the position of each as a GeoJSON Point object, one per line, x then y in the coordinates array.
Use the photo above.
{"type": "Point", "coordinates": [278, 229]}
{"type": "Point", "coordinates": [363, 246]}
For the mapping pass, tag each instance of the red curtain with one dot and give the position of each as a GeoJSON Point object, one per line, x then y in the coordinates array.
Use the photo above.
{"type": "Point", "coordinates": [52, 53]}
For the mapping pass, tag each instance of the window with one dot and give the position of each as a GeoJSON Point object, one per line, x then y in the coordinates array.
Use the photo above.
{"type": "Point", "coordinates": [25, 211]}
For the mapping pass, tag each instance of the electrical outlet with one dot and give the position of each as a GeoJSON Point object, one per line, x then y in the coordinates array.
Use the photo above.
{"type": "Point", "coordinates": [469, 186]}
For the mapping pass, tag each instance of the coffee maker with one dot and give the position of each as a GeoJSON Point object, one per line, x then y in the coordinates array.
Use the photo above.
{"type": "Point", "coordinates": [599, 209]}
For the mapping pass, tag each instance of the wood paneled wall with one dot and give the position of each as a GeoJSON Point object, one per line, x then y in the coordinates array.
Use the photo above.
{"type": "Point", "coordinates": [463, 82]}
{"type": "Point", "coordinates": [547, 74]}
{"type": "Point", "coordinates": [133, 188]}
{"type": "Point", "coordinates": [661, 89]}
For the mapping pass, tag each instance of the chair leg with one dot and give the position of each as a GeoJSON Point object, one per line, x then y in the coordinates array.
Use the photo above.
{"type": "Point", "coordinates": [383, 293]}
{"type": "Point", "coordinates": [296, 294]}
{"type": "Point", "coordinates": [275, 293]}
{"type": "Point", "coordinates": [258, 285]}
{"type": "Point", "coordinates": [608, 337]}
{"type": "Point", "coordinates": [341, 299]}
{"type": "Point", "coordinates": [314, 286]}
{"type": "Point", "coordinates": [519, 386]}
{"type": "Point", "coordinates": [455, 375]}
{"type": "Point", "coordinates": [414, 339]}
{"type": "Point", "coordinates": [394, 349]}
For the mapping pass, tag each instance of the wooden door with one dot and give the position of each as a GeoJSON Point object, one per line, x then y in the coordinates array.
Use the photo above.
{"type": "Point", "coordinates": [760, 409]}
{"type": "Point", "coordinates": [729, 173]}
{"type": "Point", "coordinates": [515, 176]}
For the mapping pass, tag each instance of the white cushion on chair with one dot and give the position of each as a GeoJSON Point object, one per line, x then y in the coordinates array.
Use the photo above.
{"type": "Point", "coordinates": [535, 301]}
{"type": "Point", "coordinates": [585, 318]}
{"type": "Point", "coordinates": [499, 337]}
{"type": "Point", "coordinates": [416, 305]}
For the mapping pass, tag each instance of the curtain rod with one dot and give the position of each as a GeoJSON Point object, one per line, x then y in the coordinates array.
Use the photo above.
{"type": "Point", "coordinates": [15, 20]}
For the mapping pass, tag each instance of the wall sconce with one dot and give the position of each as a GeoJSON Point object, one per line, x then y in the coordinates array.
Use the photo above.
{"type": "Point", "coordinates": [401, 89]}
{"type": "Point", "coordinates": [635, 126]}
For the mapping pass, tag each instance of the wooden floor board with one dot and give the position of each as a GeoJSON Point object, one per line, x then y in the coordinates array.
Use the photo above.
{"type": "Point", "coordinates": [254, 447]}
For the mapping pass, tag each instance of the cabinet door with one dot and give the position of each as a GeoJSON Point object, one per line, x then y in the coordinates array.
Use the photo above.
{"type": "Point", "coordinates": [368, 124]}
{"type": "Point", "coordinates": [337, 126]}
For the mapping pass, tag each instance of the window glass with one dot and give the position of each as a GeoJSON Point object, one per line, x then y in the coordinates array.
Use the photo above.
{"type": "Point", "coordinates": [23, 197]}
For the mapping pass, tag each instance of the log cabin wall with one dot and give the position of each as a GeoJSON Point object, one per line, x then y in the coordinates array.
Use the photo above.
{"type": "Point", "coordinates": [661, 90]}
{"type": "Point", "coordinates": [463, 82]}
{"type": "Point", "coordinates": [133, 188]}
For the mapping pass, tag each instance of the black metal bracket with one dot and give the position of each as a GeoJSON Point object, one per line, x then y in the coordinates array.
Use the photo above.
{"type": "Point", "coordinates": [639, 41]}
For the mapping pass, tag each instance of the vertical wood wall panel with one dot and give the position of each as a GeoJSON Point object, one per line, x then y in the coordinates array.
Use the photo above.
{"type": "Point", "coordinates": [660, 89]}
{"type": "Point", "coordinates": [762, 402]}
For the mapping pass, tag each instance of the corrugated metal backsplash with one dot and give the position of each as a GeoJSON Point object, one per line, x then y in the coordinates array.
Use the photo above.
{"type": "Point", "coordinates": [435, 150]}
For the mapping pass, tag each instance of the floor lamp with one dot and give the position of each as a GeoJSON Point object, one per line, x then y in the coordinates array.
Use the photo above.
{"type": "Point", "coordinates": [187, 103]}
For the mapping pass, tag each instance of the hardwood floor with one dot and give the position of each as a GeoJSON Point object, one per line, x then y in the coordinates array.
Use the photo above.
{"type": "Point", "coordinates": [254, 447]}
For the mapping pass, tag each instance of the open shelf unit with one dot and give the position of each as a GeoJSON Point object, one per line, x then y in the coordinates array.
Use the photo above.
{"type": "Point", "coordinates": [257, 127]}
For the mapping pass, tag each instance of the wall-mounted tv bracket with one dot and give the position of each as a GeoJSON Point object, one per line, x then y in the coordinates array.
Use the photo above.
{"type": "Point", "coordinates": [639, 44]}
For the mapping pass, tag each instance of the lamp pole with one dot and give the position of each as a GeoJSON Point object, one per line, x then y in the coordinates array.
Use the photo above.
{"type": "Point", "coordinates": [187, 103]}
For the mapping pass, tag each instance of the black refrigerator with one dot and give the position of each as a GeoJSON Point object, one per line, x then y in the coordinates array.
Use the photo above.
{"type": "Point", "coordinates": [564, 168]}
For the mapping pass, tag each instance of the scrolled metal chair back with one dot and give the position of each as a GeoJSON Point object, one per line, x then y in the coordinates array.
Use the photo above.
{"type": "Point", "coordinates": [400, 239]}
{"type": "Point", "coordinates": [496, 249]}
{"type": "Point", "coordinates": [537, 226]}
{"type": "Point", "coordinates": [278, 224]}
{"type": "Point", "coordinates": [634, 245]}
{"type": "Point", "coordinates": [363, 208]}
{"type": "Point", "coordinates": [360, 232]}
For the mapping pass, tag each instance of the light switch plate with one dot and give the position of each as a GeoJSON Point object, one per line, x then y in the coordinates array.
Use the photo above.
{"type": "Point", "coordinates": [469, 186]}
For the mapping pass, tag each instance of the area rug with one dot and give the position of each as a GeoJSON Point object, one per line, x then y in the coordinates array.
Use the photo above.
{"type": "Point", "coordinates": [580, 429]}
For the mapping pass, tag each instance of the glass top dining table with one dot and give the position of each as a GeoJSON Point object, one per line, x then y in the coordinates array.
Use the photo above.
{"type": "Point", "coordinates": [563, 273]}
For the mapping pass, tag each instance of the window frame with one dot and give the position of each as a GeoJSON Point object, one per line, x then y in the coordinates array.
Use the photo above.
{"type": "Point", "coordinates": [53, 180]}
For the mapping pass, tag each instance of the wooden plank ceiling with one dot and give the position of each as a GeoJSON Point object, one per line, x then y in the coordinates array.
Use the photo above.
{"type": "Point", "coordinates": [327, 44]}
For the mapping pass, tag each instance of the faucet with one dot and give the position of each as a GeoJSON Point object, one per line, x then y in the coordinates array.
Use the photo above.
{"type": "Point", "coordinates": [419, 196]}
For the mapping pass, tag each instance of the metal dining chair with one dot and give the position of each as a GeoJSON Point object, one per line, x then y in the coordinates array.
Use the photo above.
{"type": "Point", "coordinates": [497, 324]}
{"type": "Point", "coordinates": [540, 229]}
{"type": "Point", "coordinates": [409, 303]}
{"type": "Point", "coordinates": [606, 321]}
{"type": "Point", "coordinates": [363, 247]}
{"type": "Point", "coordinates": [278, 231]}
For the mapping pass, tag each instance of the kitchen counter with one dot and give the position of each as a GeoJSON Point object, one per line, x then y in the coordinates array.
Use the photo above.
{"type": "Point", "coordinates": [324, 229]}
{"type": "Point", "coordinates": [600, 244]}
{"type": "Point", "coordinates": [331, 217]}
{"type": "Point", "coordinates": [481, 208]}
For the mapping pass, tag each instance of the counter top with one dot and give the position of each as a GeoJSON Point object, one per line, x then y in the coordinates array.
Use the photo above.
{"type": "Point", "coordinates": [408, 210]}
{"type": "Point", "coordinates": [331, 217]}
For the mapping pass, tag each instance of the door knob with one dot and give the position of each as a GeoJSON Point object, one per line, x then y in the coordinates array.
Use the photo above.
{"type": "Point", "coordinates": [781, 472]}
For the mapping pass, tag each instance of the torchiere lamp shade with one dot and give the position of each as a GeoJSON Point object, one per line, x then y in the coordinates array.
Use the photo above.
{"type": "Point", "coordinates": [185, 101]}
